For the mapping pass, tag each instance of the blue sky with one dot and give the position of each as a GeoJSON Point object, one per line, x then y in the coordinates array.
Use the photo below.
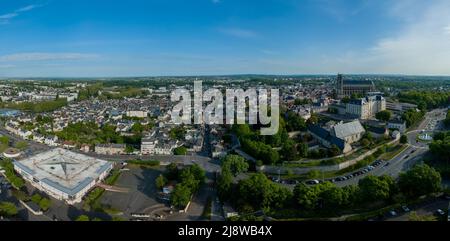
{"type": "Point", "coordinates": [94, 38]}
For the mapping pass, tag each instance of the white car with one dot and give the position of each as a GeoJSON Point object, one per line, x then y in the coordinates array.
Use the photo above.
{"type": "Point", "coordinates": [440, 212]}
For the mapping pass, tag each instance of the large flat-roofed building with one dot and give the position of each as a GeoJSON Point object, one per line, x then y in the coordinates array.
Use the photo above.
{"type": "Point", "coordinates": [367, 107]}
{"type": "Point", "coordinates": [398, 107]}
{"type": "Point", "coordinates": [350, 87]}
{"type": "Point", "coordinates": [63, 174]}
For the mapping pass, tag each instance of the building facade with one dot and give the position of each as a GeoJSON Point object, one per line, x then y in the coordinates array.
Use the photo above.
{"type": "Point", "coordinates": [366, 108]}
{"type": "Point", "coordinates": [341, 135]}
{"type": "Point", "coordinates": [110, 149]}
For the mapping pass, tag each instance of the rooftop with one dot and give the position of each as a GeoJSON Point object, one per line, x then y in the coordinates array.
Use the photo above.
{"type": "Point", "coordinates": [64, 170]}
{"type": "Point", "coordinates": [348, 129]}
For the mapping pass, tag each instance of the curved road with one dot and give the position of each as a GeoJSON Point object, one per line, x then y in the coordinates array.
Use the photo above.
{"type": "Point", "coordinates": [411, 155]}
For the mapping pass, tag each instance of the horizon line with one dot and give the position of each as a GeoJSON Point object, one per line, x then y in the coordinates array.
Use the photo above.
{"type": "Point", "coordinates": [218, 75]}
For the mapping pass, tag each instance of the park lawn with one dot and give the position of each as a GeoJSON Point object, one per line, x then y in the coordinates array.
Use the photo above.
{"type": "Point", "coordinates": [391, 154]}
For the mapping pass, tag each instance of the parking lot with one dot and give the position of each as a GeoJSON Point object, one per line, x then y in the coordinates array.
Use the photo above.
{"type": "Point", "coordinates": [141, 195]}
{"type": "Point", "coordinates": [427, 209]}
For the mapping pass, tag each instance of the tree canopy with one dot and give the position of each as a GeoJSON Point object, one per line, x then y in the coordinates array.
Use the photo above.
{"type": "Point", "coordinates": [384, 115]}
{"type": "Point", "coordinates": [420, 180]}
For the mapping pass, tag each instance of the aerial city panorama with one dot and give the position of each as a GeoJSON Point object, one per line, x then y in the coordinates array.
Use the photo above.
{"type": "Point", "coordinates": [224, 110]}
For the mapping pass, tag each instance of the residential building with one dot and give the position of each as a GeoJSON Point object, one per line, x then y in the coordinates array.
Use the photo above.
{"type": "Point", "coordinates": [397, 124]}
{"type": "Point", "coordinates": [137, 113]}
{"type": "Point", "coordinates": [148, 146]}
{"type": "Point", "coordinates": [110, 149]}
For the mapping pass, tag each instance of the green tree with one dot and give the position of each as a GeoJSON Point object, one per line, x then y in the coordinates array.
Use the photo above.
{"type": "Point", "coordinates": [332, 198]}
{"type": "Point", "coordinates": [403, 139]}
{"type": "Point", "coordinates": [242, 131]}
{"type": "Point", "coordinates": [4, 140]}
{"type": "Point", "coordinates": [420, 180]}
{"type": "Point", "coordinates": [309, 197]}
{"type": "Point", "coordinates": [365, 142]}
{"type": "Point", "coordinates": [224, 185]}
{"type": "Point", "coordinates": [160, 182]}
{"type": "Point", "coordinates": [373, 188]}
{"type": "Point", "coordinates": [412, 117]}
{"type": "Point", "coordinates": [384, 115]}
{"type": "Point", "coordinates": [8, 209]}
{"type": "Point", "coordinates": [303, 149]}
{"type": "Point", "coordinates": [198, 172]}
{"type": "Point", "coordinates": [36, 198]}
{"type": "Point", "coordinates": [260, 193]}
{"type": "Point", "coordinates": [314, 119]}
{"type": "Point", "coordinates": [137, 128]}
{"type": "Point", "coordinates": [334, 151]}
{"type": "Point", "coordinates": [289, 150]}
{"type": "Point", "coordinates": [129, 149]}
{"type": "Point", "coordinates": [235, 164]}
{"type": "Point", "coordinates": [177, 133]}
{"type": "Point", "coordinates": [180, 196]}
{"type": "Point", "coordinates": [172, 171]}
{"type": "Point", "coordinates": [180, 151]}
{"type": "Point", "coordinates": [294, 122]}
{"type": "Point", "coordinates": [21, 145]}
{"type": "Point", "coordinates": [45, 204]}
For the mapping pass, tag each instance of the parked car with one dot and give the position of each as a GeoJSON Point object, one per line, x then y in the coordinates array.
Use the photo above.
{"type": "Point", "coordinates": [405, 208]}
{"type": "Point", "coordinates": [340, 179]}
{"type": "Point", "coordinates": [440, 212]}
{"type": "Point", "coordinates": [387, 164]}
{"type": "Point", "coordinates": [393, 213]}
{"type": "Point", "coordinates": [312, 182]}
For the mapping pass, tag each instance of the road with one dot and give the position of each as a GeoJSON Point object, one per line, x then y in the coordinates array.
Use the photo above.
{"type": "Point", "coordinates": [412, 154]}
{"type": "Point", "coordinates": [402, 162]}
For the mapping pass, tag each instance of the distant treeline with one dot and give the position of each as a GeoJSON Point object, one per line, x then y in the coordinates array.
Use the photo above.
{"type": "Point", "coordinates": [426, 99]}
{"type": "Point", "coordinates": [36, 107]}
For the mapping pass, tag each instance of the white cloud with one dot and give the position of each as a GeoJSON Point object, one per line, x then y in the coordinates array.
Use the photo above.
{"type": "Point", "coordinates": [45, 57]}
{"type": "Point", "coordinates": [8, 15]}
{"type": "Point", "coordinates": [238, 32]}
{"type": "Point", "coordinates": [422, 47]}
{"type": "Point", "coordinates": [27, 8]}
{"type": "Point", "coordinates": [4, 19]}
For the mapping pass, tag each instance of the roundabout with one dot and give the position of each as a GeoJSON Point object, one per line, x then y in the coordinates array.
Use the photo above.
{"type": "Point", "coordinates": [425, 137]}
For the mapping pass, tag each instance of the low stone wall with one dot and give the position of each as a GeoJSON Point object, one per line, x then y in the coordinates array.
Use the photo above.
{"type": "Point", "coordinates": [37, 213]}
{"type": "Point", "coordinates": [330, 168]}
